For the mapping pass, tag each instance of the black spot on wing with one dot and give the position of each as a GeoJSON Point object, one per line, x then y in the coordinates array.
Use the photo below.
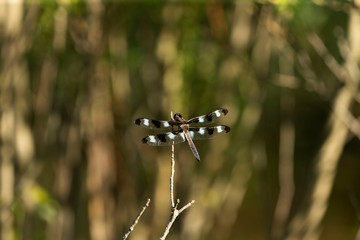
{"type": "Point", "coordinates": [144, 140]}
{"type": "Point", "coordinates": [224, 111]}
{"type": "Point", "coordinates": [209, 116]}
{"type": "Point", "coordinates": [227, 129]}
{"type": "Point", "coordinates": [195, 129]}
{"type": "Point", "coordinates": [138, 121]}
{"type": "Point", "coordinates": [210, 130]}
{"type": "Point", "coordinates": [161, 137]}
{"type": "Point", "coordinates": [196, 120]}
{"type": "Point", "coordinates": [156, 123]}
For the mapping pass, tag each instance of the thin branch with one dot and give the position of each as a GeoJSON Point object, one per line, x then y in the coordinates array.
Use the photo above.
{"type": "Point", "coordinates": [175, 212]}
{"type": "Point", "coordinates": [186, 206]}
{"type": "Point", "coordinates": [136, 220]}
{"type": "Point", "coordinates": [172, 176]}
{"type": "Point", "coordinates": [329, 59]}
{"type": "Point", "coordinates": [172, 170]}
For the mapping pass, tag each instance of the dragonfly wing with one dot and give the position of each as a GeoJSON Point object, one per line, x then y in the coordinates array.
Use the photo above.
{"type": "Point", "coordinates": [165, 139]}
{"type": "Point", "coordinates": [208, 118]}
{"type": "Point", "coordinates": [202, 133]}
{"type": "Point", "coordinates": [154, 124]}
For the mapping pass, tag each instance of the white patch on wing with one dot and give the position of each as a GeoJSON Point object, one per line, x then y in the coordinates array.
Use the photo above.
{"type": "Point", "coordinates": [191, 134]}
{"type": "Point", "coordinates": [201, 119]}
{"type": "Point", "coordinates": [152, 139]}
{"type": "Point", "coordinates": [166, 124]}
{"type": "Point", "coordinates": [171, 136]}
{"type": "Point", "coordinates": [217, 113]}
{"type": "Point", "coordinates": [182, 135]}
{"type": "Point", "coordinates": [202, 131]}
{"type": "Point", "coordinates": [146, 122]}
{"type": "Point", "coordinates": [219, 129]}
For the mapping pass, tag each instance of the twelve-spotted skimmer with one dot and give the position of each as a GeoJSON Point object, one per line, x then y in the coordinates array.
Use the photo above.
{"type": "Point", "coordinates": [182, 130]}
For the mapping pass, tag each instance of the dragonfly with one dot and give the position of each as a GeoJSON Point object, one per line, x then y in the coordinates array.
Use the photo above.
{"type": "Point", "coordinates": [181, 130]}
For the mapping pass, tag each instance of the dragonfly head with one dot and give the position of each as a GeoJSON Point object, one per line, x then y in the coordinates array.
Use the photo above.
{"type": "Point", "coordinates": [177, 116]}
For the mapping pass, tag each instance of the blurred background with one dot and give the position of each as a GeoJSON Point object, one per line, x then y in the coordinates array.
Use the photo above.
{"type": "Point", "coordinates": [74, 75]}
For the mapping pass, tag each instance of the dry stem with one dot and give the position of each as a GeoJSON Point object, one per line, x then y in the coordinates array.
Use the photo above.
{"type": "Point", "coordinates": [136, 220]}
{"type": "Point", "coordinates": [172, 176]}
{"type": "Point", "coordinates": [175, 212]}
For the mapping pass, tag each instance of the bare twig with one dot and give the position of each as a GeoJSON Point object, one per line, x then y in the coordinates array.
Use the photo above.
{"type": "Point", "coordinates": [172, 176]}
{"type": "Point", "coordinates": [175, 211]}
{"type": "Point", "coordinates": [136, 220]}
{"type": "Point", "coordinates": [330, 61]}
{"type": "Point", "coordinates": [172, 169]}
{"type": "Point", "coordinates": [174, 214]}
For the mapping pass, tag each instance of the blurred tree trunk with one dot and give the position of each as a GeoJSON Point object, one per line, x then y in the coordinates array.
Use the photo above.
{"type": "Point", "coordinates": [62, 227]}
{"type": "Point", "coordinates": [306, 223]}
{"type": "Point", "coordinates": [17, 147]}
{"type": "Point", "coordinates": [99, 129]}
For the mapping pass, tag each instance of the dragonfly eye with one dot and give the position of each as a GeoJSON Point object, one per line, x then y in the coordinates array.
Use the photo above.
{"type": "Point", "coordinates": [177, 116]}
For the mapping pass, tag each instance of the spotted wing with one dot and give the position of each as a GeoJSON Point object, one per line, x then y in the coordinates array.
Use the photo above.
{"type": "Point", "coordinates": [208, 118]}
{"type": "Point", "coordinates": [165, 139]}
{"type": "Point", "coordinates": [154, 124]}
{"type": "Point", "coordinates": [208, 132]}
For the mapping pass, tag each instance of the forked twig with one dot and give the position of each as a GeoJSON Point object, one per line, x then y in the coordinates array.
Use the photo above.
{"type": "Point", "coordinates": [136, 220]}
{"type": "Point", "coordinates": [174, 214]}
